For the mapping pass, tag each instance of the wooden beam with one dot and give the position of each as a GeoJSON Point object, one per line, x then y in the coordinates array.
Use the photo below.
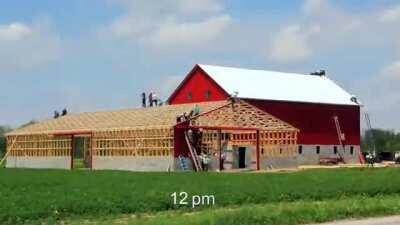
{"type": "Point", "coordinates": [219, 150]}
{"type": "Point", "coordinates": [72, 151]}
{"type": "Point", "coordinates": [9, 149]}
{"type": "Point", "coordinates": [258, 148]}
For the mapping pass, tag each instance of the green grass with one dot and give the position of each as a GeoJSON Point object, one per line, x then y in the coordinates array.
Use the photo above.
{"type": "Point", "coordinates": [283, 213]}
{"type": "Point", "coordinates": [79, 163]}
{"type": "Point", "coordinates": [57, 194]}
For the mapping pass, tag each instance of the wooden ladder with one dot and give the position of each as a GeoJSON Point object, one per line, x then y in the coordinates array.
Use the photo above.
{"type": "Point", "coordinates": [341, 136]}
{"type": "Point", "coordinates": [193, 153]}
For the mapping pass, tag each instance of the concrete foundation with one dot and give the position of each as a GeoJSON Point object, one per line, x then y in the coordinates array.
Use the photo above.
{"type": "Point", "coordinates": [145, 163]}
{"type": "Point", "coordinates": [52, 162]}
{"type": "Point", "coordinates": [309, 155]}
{"type": "Point", "coordinates": [279, 162]}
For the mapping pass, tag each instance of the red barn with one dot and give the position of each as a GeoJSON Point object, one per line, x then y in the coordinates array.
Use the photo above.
{"type": "Point", "coordinates": [327, 116]}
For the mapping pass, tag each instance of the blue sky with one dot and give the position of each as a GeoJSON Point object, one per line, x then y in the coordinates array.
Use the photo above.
{"type": "Point", "coordinates": [90, 55]}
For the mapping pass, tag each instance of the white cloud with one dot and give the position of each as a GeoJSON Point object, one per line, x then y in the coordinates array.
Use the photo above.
{"type": "Point", "coordinates": [168, 23]}
{"type": "Point", "coordinates": [196, 6]}
{"type": "Point", "coordinates": [313, 6]}
{"type": "Point", "coordinates": [26, 46]}
{"type": "Point", "coordinates": [189, 33]}
{"type": "Point", "coordinates": [291, 43]}
{"type": "Point", "coordinates": [392, 70]}
{"type": "Point", "coordinates": [338, 29]}
{"type": "Point", "coordinates": [14, 31]}
{"type": "Point", "coordinates": [391, 15]}
{"type": "Point", "coordinates": [380, 96]}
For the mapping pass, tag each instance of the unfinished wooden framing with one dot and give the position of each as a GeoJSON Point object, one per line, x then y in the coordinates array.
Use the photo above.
{"type": "Point", "coordinates": [272, 144]}
{"type": "Point", "coordinates": [139, 142]}
{"type": "Point", "coordinates": [134, 143]}
{"type": "Point", "coordinates": [240, 124]}
{"type": "Point", "coordinates": [38, 146]}
{"type": "Point", "coordinates": [239, 114]}
{"type": "Point", "coordinates": [135, 134]}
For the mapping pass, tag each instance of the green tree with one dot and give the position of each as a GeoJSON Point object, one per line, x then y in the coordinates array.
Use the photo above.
{"type": "Point", "coordinates": [3, 130]}
{"type": "Point", "coordinates": [384, 140]}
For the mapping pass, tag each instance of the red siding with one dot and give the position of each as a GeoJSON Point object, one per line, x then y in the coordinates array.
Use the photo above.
{"type": "Point", "coordinates": [198, 83]}
{"type": "Point", "coordinates": [180, 146]}
{"type": "Point", "coordinates": [315, 121]}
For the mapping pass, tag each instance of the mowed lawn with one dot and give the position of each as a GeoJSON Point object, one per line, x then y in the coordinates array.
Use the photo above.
{"type": "Point", "coordinates": [37, 195]}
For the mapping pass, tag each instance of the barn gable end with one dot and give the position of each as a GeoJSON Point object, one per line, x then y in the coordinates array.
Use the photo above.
{"type": "Point", "coordinates": [198, 86]}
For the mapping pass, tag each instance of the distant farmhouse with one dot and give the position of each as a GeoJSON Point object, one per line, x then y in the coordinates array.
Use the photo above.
{"type": "Point", "coordinates": [236, 118]}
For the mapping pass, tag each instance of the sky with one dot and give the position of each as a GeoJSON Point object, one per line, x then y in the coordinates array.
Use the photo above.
{"type": "Point", "coordinates": [88, 55]}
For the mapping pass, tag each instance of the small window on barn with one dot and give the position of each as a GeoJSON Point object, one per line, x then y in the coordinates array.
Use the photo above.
{"type": "Point", "coordinates": [351, 150]}
{"type": "Point", "coordinates": [190, 95]}
{"type": "Point", "coordinates": [262, 151]}
{"type": "Point", "coordinates": [335, 150]}
{"type": "Point", "coordinates": [318, 149]}
{"type": "Point", "coordinates": [300, 149]}
{"type": "Point", "coordinates": [207, 95]}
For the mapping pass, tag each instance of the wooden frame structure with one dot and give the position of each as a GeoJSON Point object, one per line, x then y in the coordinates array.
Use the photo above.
{"type": "Point", "coordinates": [38, 145]}
{"type": "Point", "coordinates": [241, 123]}
{"type": "Point", "coordinates": [139, 142]}
{"type": "Point", "coordinates": [149, 132]}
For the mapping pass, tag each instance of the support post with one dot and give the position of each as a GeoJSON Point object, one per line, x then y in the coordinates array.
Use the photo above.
{"type": "Point", "coordinates": [72, 150]}
{"type": "Point", "coordinates": [91, 151]}
{"type": "Point", "coordinates": [258, 148]}
{"type": "Point", "coordinates": [220, 149]}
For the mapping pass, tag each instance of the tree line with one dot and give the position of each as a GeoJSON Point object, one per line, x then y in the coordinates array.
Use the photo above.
{"type": "Point", "coordinates": [380, 139]}
{"type": "Point", "coordinates": [3, 130]}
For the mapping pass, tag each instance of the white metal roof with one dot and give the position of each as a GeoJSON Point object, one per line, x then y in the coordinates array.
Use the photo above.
{"type": "Point", "coordinates": [262, 84]}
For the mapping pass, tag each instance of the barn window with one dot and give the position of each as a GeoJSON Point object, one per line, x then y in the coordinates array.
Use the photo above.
{"type": "Point", "coordinates": [190, 95]}
{"type": "Point", "coordinates": [318, 149]}
{"type": "Point", "coordinates": [208, 94]}
{"type": "Point", "coordinates": [334, 149]}
{"type": "Point", "coordinates": [300, 149]}
{"type": "Point", "coordinates": [352, 150]}
{"type": "Point", "coordinates": [262, 151]}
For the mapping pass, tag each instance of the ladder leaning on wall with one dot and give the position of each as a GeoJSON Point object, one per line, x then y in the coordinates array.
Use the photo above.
{"type": "Point", "coordinates": [193, 153]}
{"type": "Point", "coordinates": [341, 137]}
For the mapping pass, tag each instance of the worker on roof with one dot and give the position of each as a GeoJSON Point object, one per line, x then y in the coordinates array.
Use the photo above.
{"type": "Point", "coordinates": [155, 99]}
{"type": "Point", "coordinates": [151, 99]}
{"type": "Point", "coordinates": [143, 99]}
{"type": "Point", "coordinates": [196, 110]}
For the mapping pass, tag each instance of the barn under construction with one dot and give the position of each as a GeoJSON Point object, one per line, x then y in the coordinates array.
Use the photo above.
{"type": "Point", "coordinates": [238, 118]}
{"type": "Point", "coordinates": [235, 134]}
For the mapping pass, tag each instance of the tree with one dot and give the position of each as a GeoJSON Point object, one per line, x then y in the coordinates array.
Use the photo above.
{"type": "Point", "coordinates": [384, 140]}
{"type": "Point", "coordinates": [3, 144]}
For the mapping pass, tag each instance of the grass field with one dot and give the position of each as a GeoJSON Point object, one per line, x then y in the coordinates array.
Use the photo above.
{"type": "Point", "coordinates": [54, 195]}
{"type": "Point", "coordinates": [282, 213]}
